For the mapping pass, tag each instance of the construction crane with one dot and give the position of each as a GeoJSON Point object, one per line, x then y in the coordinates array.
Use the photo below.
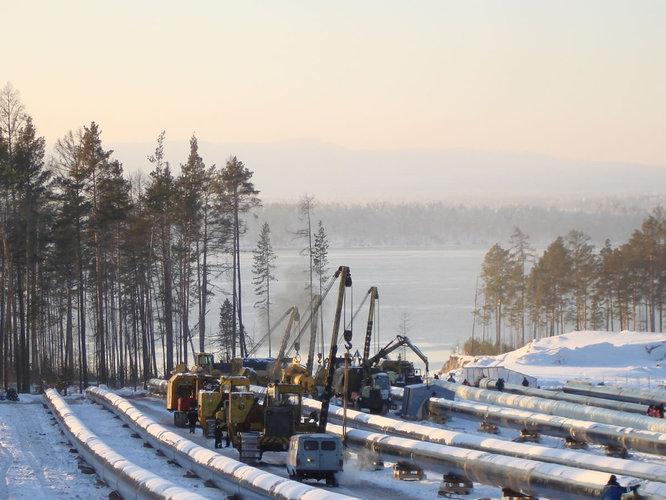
{"type": "Point", "coordinates": [277, 363]}
{"type": "Point", "coordinates": [327, 393]}
{"type": "Point", "coordinates": [365, 386]}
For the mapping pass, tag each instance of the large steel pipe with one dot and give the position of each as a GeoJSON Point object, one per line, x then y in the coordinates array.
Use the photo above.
{"type": "Point", "coordinates": [526, 476]}
{"type": "Point", "coordinates": [123, 476]}
{"type": "Point", "coordinates": [634, 395]}
{"type": "Point", "coordinates": [226, 473]}
{"type": "Point", "coordinates": [610, 465]}
{"type": "Point", "coordinates": [592, 432]}
{"type": "Point", "coordinates": [580, 399]}
{"type": "Point", "coordinates": [561, 408]}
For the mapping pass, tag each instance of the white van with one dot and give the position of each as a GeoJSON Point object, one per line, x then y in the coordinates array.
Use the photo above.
{"type": "Point", "coordinates": [317, 456]}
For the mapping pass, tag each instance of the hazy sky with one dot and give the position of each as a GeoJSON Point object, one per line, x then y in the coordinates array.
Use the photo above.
{"type": "Point", "coordinates": [572, 79]}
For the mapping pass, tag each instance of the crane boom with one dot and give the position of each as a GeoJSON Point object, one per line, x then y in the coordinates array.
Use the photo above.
{"type": "Point", "coordinates": [278, 360]}
{"type": "Point", "coordinates": [374, 295]}
{"type": "Point", "coordinates": [310, 313]}
{"type": "Point", "coordinates": [327, 394]}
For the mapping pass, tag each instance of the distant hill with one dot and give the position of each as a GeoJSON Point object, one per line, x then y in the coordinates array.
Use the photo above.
{"type": "Point", "coordinates": [286, 171]}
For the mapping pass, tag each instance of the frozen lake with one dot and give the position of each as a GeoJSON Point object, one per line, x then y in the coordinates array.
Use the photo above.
{"type": "Point", "coordinates": [434, 289]}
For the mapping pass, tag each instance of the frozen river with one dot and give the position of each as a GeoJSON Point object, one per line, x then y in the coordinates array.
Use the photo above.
{"type": "Point", "coordinates": [432, 289]}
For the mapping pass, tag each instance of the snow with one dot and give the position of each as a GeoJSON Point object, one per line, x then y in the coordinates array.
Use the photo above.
{"type": "Point", "coordinates": [622, 358]}
{"type": "Point", "coordinates": [36, 461]}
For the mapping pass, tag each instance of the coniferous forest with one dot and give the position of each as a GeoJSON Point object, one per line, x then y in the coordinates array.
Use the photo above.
{"type": "Point", "coordinates": [107, 278]}
{"type": "Point", "coordinates": [571, 286]}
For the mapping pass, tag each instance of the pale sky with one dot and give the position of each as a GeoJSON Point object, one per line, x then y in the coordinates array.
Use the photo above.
{"type": "Point", "coordinates": [581, 80]}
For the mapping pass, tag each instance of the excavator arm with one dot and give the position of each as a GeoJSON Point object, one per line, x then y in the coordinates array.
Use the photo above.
{"type": "Point", "coordinates": [397, 342]}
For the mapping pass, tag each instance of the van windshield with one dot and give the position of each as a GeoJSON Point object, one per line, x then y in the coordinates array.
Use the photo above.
{"type": "Point", "coordinates": [310, 445]}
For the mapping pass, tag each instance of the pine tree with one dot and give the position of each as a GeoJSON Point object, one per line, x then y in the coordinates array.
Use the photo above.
{"type": "Point", "coordinates": [584, 265]}
{"type": "Point", "coordinates": [72, 246]}
{"type": "Point", "coordinates": [496, 274]}
{"type": "Point", "coordinates": [159, 201]}
{"type": "Point", "coordinates": [189, 186]}
{"type": "Point", "coordinates": [305, 209]}
{"type": "Point", "coordinates": [521, 255]}
{"type": "Point", "coordinates": [240, 197]}
{"type": "Point", "coordinates": [225, 337]}
{"type": "Point", "coordinates": [555, 271]}
{"type": "Point", "coordinates": [320, 265]}
{"type": "Point", "coordinates": [263, 266]}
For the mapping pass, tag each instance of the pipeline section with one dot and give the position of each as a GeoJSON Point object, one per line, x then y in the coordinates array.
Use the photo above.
{"type": "Point", "coordinates": [226, 473]}
{"type": "Point", "coordinates": [157, 386]}
{"type": "Point", "coordinates": [610, 465]}
{"type": "Point", "coordinates": [530, 477]}
{"type": "Point", "coordinates": [125, 477]}
{"type": "Point", "coordinates": [580, 430]}
{"type": "Point", "coordinates": [638, 396]}
{"type": "Point", "coordinates": [560, 408]}
{"type": "Point", "coordinates": [581, 399]}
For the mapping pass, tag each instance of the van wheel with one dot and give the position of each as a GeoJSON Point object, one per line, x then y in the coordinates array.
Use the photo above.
{"type": "Point", "coordinates": [299, 477]}
{"type": "Point", "coordinates": [330, 480]}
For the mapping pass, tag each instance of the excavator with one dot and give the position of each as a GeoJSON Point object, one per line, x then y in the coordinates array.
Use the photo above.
{"type": "Point", "coordinates": [401, 371]}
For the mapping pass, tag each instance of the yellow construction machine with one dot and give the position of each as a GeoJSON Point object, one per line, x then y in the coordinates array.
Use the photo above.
{"type": "Point", "coordinates": [181, 394]}
{"type": "Point", "coordinates": [253, 424]}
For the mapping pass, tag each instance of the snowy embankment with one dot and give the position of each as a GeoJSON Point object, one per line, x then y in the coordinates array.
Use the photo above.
{"type": "Point", "coordinates": [617, 358]}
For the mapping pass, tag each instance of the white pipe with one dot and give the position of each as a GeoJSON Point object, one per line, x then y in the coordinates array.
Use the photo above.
{"type": "Point", "coordinates": [579, 398]}
{"type": "Point", "coordinates": [530, 477]}
{"type": "Point", "coordinates": [632, 394]}
{"type": "Point", "coordinates": [526, 476]}
{"type": "Point", "coordinates": [561, 408]}
{"type": "Point", "coordinates": [228, 474]}
{"type": "Point", "coordinates": [128, 479]}
{"type": "Point", "coordinates": [610, 465]}
{"type": "Point", "coordinates": [592, 432]}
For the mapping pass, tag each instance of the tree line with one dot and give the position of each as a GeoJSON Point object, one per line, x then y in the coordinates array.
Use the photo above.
{"type": "Point", "coordinates": [571, 285]}
{"type": "Point", "coordinates": [107, 279]}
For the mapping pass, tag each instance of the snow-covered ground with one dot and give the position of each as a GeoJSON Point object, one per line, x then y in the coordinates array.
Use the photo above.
{"type": "Point", "coordinates": [37, 462]}
{"type": "Point", "coordinates": [615, 358]}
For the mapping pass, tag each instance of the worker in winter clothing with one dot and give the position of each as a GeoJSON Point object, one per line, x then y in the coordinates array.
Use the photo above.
{"type": "Point", "coordinates": [218, 435]}
{"type": "Point", "coordinates": [613, 490]}
{"type": "Point", "coordinates": [192, 419]}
